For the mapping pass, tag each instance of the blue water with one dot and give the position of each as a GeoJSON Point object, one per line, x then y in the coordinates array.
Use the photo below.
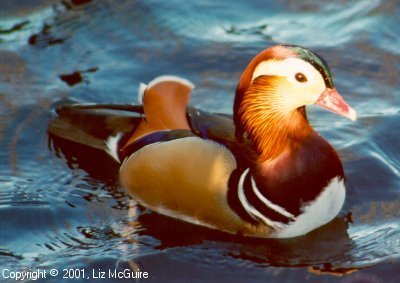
{"type": "Point", "coordinates": [55, 215]}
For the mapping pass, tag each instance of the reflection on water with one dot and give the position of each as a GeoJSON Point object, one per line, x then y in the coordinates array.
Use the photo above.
{"type": "Point", "coordinates": [57, 212]}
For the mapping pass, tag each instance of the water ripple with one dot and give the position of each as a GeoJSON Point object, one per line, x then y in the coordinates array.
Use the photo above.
{"type": "Point", "coordinates": [331, 26]}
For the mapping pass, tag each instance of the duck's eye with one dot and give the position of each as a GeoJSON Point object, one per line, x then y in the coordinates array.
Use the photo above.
{"type": "Point", "coordinates": [300, 77]}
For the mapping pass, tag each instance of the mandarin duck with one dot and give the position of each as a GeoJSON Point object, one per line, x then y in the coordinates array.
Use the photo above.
{"type": "Point", "coordinates": [263, 172]}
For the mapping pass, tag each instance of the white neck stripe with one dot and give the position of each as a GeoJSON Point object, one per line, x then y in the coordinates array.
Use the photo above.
{"type": "Point", "coordinates": [268, 203]}
{"type": "Point", "coordinates": [254, 213]}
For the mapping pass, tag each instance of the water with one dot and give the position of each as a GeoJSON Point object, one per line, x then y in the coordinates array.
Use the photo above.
{"type": "Point", "coordinates": [55, 215]}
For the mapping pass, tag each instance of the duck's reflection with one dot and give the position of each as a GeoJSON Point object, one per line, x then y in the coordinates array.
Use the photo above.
{"type": "Point", "coordinates": [325, 250]}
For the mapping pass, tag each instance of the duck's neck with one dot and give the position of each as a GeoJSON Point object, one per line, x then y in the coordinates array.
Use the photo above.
{"type": "Point", "coordinates": [272, 130]}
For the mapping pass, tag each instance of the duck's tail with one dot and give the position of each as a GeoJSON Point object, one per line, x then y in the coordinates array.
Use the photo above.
{"type": "Point", "coordinates": [97, 126]}
{"type": "Point", "coordinates": [164, 102]}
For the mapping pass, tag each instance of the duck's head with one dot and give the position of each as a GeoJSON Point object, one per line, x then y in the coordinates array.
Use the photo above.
{"type": "Point", "coordinates": [275, 88]}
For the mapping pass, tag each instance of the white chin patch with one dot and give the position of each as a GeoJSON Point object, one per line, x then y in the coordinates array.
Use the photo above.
{"type": "Point", "coordinates": [317, 213]}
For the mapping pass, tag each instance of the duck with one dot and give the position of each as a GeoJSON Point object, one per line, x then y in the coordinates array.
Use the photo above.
{"type": "Point", "coordinates": [261, 172]}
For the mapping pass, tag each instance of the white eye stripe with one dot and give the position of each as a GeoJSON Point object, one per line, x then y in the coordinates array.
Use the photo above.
{"type": "Point", "coordinates": [287, 68]}
{"type": "Point", "coordinates": [292, 93]}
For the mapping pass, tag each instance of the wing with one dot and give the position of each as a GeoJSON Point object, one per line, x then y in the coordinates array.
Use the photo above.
{"type": "Point", "coordinates": [185, 178]}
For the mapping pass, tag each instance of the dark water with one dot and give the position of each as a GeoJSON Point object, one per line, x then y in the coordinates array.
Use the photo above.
{"type": "Point", "coordinates": [55, 215]}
